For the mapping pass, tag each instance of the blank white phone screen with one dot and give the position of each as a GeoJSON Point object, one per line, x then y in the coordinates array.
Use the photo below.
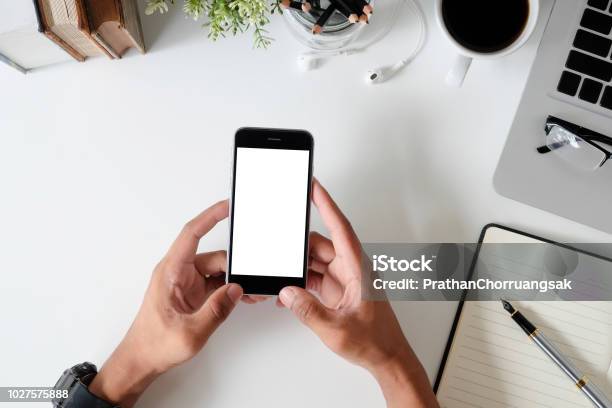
{"type": "Point", "coordinates": [270, 202]}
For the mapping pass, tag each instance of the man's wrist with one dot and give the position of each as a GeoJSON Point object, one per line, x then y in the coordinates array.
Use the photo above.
{"type": "Point", "coordinates": [123, 377]}
{"type": "Point", "coordinates": [404, 382]}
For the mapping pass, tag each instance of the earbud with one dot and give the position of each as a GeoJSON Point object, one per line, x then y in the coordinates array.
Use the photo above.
{"type": "Point", "coordinates": [375, 76]}
{"type": "Point", "coordinates": [380, 75]}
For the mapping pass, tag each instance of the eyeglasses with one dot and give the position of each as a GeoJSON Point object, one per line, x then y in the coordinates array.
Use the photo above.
{"type": "Point", "coordinates": [578, 146]}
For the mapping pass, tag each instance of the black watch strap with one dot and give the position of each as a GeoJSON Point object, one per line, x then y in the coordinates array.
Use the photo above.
{"type": "Point", "coordinates": [80, 397]}
{"type": "Point", "coordinates": [76, 380]}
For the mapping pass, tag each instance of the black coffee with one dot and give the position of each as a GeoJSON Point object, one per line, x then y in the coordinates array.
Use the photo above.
{"type": "Point", "coordinates": [485, 25]}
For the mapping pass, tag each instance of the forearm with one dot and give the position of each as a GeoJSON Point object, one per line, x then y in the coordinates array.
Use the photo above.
{"type": "Point", "coordinates": [123, 377]}
{"type": "Point", "coordinates": [404, 382]}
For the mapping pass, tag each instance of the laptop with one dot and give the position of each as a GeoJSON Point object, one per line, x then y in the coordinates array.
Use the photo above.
{"type": "Point", "coordinates": [569, 87]}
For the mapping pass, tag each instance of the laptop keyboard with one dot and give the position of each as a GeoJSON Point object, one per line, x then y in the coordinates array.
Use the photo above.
{"type": "Point", "coordinates": [588, 69]}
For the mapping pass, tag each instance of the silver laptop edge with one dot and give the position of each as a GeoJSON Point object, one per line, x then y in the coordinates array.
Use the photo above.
{"type": "Point", "coordinates": [545, 181]}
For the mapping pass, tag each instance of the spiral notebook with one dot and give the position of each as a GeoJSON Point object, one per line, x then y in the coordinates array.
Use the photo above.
{"type": "Point", "coordinates": [490, 362]}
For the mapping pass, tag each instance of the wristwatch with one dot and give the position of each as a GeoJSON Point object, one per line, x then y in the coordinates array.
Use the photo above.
{"type": "Point", "coordinates": [76, 380]}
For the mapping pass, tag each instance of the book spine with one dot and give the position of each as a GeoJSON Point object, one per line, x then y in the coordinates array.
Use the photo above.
{"type": "Point", "coordinates": [106, 45]}
{"type": "Point", "coordinates": [83, 26]}
{"type": "Point", "coordinates": [119, 8]}
{"type": "Point", "coordinates": [134, 27]}
{"type": "Point", "coordinates": [44, 27]}
{"type": "Point", "coordinates": [82, 20]}
{"type": "Point", "coordinates": [56, 39]}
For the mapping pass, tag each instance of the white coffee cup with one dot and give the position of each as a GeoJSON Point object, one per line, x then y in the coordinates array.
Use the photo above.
{"type": "Point", "coordinates": [464, 58]}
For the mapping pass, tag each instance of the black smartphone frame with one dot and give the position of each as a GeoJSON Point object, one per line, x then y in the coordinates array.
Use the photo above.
{"type": "Point", "coordinates": [282, 139]}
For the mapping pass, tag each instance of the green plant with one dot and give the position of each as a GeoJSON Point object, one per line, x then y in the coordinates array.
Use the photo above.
{"type": "Point", "coordinates": [227, 16]}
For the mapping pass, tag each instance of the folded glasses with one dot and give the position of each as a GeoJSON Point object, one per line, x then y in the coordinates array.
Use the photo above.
{"type": "Point", "coordinates": [579, 146]}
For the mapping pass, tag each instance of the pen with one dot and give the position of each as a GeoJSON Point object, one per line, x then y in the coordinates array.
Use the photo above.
{"type": "Point", "coordinates": [347, 5]}
{"type": "Point", "coordinates": [351, 6]}
{"type": "Point", "coordinates": [298, 5]}
{"type": "Point", "coordinates": [589, 389]}
{"type": "Point", "coordinates": [365, 7]}
{"type": "Point", "coordinates": [318, 27]}
{"type": "Point", "coordinates": [347, 10]}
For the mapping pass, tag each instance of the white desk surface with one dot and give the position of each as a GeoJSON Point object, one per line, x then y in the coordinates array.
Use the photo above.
{"type": "Point", "coordinates": [102, 162]}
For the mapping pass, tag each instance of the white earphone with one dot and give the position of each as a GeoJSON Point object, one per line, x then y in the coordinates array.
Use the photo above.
{"type": "Point", "coordinates": [312, 60]}
{"type": "Point", "coordinates": [309, 61]}
{"type": "Point", "coordinates": [380, 75]}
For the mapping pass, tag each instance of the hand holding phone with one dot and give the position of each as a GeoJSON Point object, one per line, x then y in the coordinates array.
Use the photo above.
{"type": "Point", "coordinates": [186, 301]}
{"type": "Point", "coordinates": [364, 332]}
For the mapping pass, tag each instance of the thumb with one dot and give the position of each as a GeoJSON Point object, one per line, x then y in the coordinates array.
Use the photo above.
{"type": "Point", "coordinates": [218, 307]}
{"type": "Point", "coordinates": [306, 307]}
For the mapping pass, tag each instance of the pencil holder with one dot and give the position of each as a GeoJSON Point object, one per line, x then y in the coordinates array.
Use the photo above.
{"type": "Point", "coordinates": [337, 32]}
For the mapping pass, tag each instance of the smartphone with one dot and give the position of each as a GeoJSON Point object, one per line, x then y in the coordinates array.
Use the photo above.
{"type": "Point", "coordinates": [270, 209]}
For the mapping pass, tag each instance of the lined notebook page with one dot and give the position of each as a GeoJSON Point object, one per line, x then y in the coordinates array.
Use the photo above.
{"type": "Point", "coordinates": [492, 362]}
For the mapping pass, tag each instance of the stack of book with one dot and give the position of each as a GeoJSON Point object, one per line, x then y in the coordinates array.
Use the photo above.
{"type": "Point", "coordinates": [77, 29]}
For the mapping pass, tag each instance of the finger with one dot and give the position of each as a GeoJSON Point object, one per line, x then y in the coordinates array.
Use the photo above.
{"type": "Point", "coordinates": [342, 234]}
{"type": "Point", "coordinates": [321, 248]}
{"type": "Point", "coordinates": [330, 293]}
{"type": "Point", "coordinates": [213, 283]}
{"type": "Point", "coordinates": [211, 263]}
{"type": "Point", "coordinates": [251, 299]}
{"type": "Point", "coordinates": [248, 300]}
{"type": "Point", "coordinates": [306, 307]}
{"type": "Point", "coordinates": [218, 307]}
{"type": "Point", "coordinates": [259, 298]}
{"type": "Point", "coordinates": [279, 304]}
{"type": "Point", "coordinates": [186, 244]}
{"type": "Point", "coordinates": [197, 297]}
{"type": "Point", "coordinates": [317, 266]}
{"type": "Point", "coordinates": [314, 282]}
